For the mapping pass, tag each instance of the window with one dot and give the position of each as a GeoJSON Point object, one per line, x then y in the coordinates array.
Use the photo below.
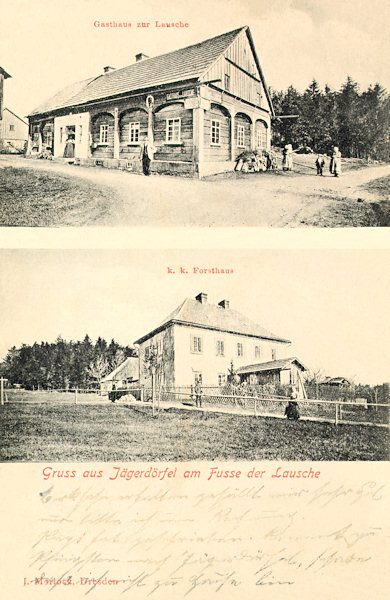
{"type": "Point", "coordinates": [257, 351]}
{"type": "Point", "coordinates": [215, 132]}
{"type": "Point", "coordinates": [61, 134]}
{"type": "Point", "coordinates": [221, 379]}
{"type": "Point", "coordinates": [49, 139]}
{"type": "Point", "coordinates": [12, 127]}
{"type": "Point", "coordinates": [240, 136]}
{"type": "Point", "coordinates": [240, 349]}
{"type": "Point", "coordinates": [103, 136]}
{"type": "Point", "coordinates": [261, 141]}
{"type": "Point", "coordinates": [147, 353]}
{"type": "Point", "coordinates": [173, 130]}
{"type": "Point", "coordinates": [273, 354]}
{"type": "Point", "coordinates": [220, 348]}
{"type": "Point", "coordinates": [196, 344]}
{"type": "Point", "coordinates": [227, 81]}
{"type": "Point", "coordinates": [134, 129]}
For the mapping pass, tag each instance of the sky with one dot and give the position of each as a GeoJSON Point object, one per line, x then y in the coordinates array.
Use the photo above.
{"type": "Point", "coordinates": [332, 304]}
{"type": "Point", "coordinates": [46, 45]}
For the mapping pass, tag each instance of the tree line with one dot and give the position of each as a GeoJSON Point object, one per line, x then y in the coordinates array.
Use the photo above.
{"type": "Point", "coordinates": [357, 122]}
{"type": "Point", "coordinates": [62, 364]}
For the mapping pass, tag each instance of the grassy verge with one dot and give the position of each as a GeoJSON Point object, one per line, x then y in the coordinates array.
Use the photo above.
{"type": "Point", "coordinates": [41, 198]}
{"type": "Point", "coordinates": [69, 432]}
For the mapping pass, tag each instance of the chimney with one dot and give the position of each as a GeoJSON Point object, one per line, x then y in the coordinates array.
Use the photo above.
{"type": "Point", "coordinates": [140, 56]}
{"type": "Point", "coordinates": [224, 303]}
{"type": "Point", "coordinates": [108, 69]}
{"type": "Point", "coordinates": [202, 298]}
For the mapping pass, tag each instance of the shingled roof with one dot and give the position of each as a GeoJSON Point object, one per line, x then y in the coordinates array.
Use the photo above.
{"type": "Point", "coordinates": [186, 64]}
{"type": "Point", "coordinates": [272, 365]}
{"type": "Point", "coordinates": [214, 317]}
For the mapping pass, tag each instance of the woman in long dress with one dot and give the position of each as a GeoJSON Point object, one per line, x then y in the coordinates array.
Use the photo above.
{"type": "Point", "coordinates": [335, 162]}
{"type": "Point", "coordinates": [69, 147]}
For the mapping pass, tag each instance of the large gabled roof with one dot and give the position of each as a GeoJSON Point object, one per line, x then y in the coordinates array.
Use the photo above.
{"type": "Point", "coordinates": [185, 64]}
{"type": "Point", "coordinates": [214, 317]}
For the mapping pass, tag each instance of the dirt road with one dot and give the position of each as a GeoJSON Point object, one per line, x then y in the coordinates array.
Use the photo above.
{"type": "Point", "coordinates": [258, 199]}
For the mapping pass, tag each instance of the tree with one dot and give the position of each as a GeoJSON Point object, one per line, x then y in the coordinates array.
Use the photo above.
{"type": "Point", "coordinates": [98, 368]}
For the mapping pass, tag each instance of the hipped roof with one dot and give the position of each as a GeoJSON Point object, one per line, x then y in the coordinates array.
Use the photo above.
{"type": "Point", "coordinates": [185, 64]}
{"type": "Point", "coordinates": [214, 317]}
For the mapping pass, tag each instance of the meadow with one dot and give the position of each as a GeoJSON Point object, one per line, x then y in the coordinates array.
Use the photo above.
{"type": "Point", "coordinates": [97, 430]}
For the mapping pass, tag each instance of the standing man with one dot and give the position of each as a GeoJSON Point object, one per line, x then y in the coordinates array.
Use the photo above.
{"type": "Point", "coordinates": [198, 394]}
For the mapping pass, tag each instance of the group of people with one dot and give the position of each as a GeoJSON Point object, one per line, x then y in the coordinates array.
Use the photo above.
{"type": "Point", "coordinates": [257, 161]}
{"type": "Point", "coordinates": [334, 165]}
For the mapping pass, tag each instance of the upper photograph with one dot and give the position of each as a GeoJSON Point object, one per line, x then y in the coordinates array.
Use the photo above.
{"type": "Point", "coordinates": [213, 114]}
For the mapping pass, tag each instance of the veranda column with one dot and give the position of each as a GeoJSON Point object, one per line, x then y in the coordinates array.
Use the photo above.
{"type": "Point", "coordinates": [116, 133]}
{"type": "Point", "coordinates": [232, 157]}
{"type": "Point", "coordinates": [29, 141]}
{"type": "Point", "coordinates": [253, 134]}
{"type": "Point", "coordinates": [198, 133]}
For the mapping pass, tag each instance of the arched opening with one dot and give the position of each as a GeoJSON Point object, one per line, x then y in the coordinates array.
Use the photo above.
{"type": "Point", "coordinates": [173, 127]}
{"type": "Point", "coordinates": [261, 135]}
{"type": "Point", "coordinates": [242, 133]}
{"type": "Point", "coordinates": [102, 131]}
{"type": "Point", "coordinates": [217, 133]}
{"type": "Point", "coordinates": [133, 131]}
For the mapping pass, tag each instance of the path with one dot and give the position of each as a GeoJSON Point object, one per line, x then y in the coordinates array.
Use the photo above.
{"type": "Point", "coordinates": [265, 199]}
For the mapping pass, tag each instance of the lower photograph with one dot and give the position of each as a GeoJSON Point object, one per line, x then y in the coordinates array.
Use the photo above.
{"type": "Point", "coordinates": [200, 424]}
{"type": "Point", "coordinates": [195, 355]}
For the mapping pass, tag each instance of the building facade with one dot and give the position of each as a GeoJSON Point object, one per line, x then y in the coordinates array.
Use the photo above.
{"type": "Point", "coordinates": [13, 132]}
{"type": "Point", "coordinates": [200, 341]}
{"type": "Point", "coordinates": [192, 111]}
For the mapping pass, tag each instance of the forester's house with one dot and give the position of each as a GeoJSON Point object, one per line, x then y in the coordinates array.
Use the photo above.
{"type": "Point", "coordinates": [198, 341]}
{"type": "Point", "coordinates": [194, 109]}
{"type": "Point", "coordinates": [127, 372]}
{"type": "Point", "coordinates": [13, 132]}
{"type": "Point", "coordinates": [285, 371]}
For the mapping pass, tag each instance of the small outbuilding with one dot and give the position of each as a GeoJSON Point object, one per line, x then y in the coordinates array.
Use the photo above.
{"type": "Point", "coordinates": [284, 371]}
{"type": "Point", "coordinates": [126, 372]}
{"type": "Point", "coordinates": [13, 133]}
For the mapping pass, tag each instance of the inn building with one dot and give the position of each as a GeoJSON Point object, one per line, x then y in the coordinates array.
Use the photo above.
{"type": "Point", "coordinates": [198, 341]}
{"type": "Point", "coordinates": [193, 111]}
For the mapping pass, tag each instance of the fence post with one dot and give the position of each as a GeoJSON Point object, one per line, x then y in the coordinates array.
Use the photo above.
{"type": "Point", "coordinates": [255, 407]}
{"type": "Point", "coordinates": [142, 394]}
{"type": "Point", "coordinates": [2, 391]}
{"type": "Point", "coordinates": [337, 413]}
{"type": "Point", "coordinates": [75, 396]}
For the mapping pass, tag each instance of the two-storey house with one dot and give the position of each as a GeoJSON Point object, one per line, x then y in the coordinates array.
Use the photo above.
{"type": "Point", "coordinates": [199, 341]}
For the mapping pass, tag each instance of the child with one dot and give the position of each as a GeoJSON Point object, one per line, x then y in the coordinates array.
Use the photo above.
{"type": "Point", "coordinates": [320, 164]}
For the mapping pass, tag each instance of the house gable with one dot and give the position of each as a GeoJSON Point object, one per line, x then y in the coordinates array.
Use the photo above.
{"type": "Point", "coordinates": [238, 72]}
